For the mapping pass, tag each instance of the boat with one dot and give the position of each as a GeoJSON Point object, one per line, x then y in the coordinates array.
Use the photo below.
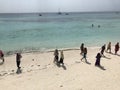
{"type": "Point", "coordinates": [40, 14]}
{"type": "Point", "coordinates": [59, 12]}
{"type": "Point", "coordinates": [66, 13]}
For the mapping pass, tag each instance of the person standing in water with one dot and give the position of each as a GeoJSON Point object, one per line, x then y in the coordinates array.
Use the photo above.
{"type": "Point", "coordinates": [98, 26]}
{"type": "Point", "coordinates": [92, 25]}
{"type": "Point", "coordinates": [18, 60]}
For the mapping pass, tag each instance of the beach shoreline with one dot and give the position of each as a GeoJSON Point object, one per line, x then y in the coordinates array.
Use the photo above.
{"type": "Point", "coordinates": [8, 53]}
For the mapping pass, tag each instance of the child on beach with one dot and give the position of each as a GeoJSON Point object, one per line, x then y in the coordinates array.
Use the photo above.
{"type": "Point", "coordinates": [1, 55]}
{"type": "Point", "coordinates": [61, 58]}
{"type": "Point", "coordinates": [82, 48]}
{"type": "Point", "coordinates": [56, 54]}
{"type": "Point", "coordinates": [102, 50]}
{"type": "Point", "coordinates": [109, 47]}
{"type": "Point", "coordinates": [18, 60]}
{"type": "Point", "coordinates": [84, 54]}
{"type": "Point", "coordinates": [98, 57]}
{"type": "Point", "coordinates": [116, 48]}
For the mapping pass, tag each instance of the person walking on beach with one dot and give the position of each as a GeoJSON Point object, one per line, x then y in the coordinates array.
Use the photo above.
{"type": "Point", "coordinates": [2, 55]}
{"type": "Point", "coordinates": [109, 47]}
{"type": "Point", "coordinates": [82, 48]}
{"type": "Point", "coordinates": [102, 50]}
{"type": "Point", "coordinates": [56, 54]}
{"type": "Point", "coordinates": [98, 57]}
{"type": "Point", "coordinates": [116, 48]}
{"type": "Point", "coordinates": [18, 60]}
{"type": "Point", "coordinates": [61, 58]}
{"type": "Point", "coordinates": [84, 54]}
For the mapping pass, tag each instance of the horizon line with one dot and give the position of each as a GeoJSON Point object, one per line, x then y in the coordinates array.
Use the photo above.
{"type": "Point", "coordinates": [63, 12]}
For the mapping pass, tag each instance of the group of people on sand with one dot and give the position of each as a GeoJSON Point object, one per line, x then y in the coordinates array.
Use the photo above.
{"type": "Point", "coordinates": [60, 60]}
{"type": "Point", "coordinates": [56, 57]}
{"type": "Point", "coordinates": [109, 48]}
{"type": "Point", "coordinates": [100, 54]}
{"type": "Point", "coordinates": [84, 53]}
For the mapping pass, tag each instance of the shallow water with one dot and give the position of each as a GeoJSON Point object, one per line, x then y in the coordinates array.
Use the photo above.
{"type": "Point", "coordinates": [33, 32]}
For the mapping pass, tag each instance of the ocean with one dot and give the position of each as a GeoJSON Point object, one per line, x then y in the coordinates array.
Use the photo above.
{"type": "Point", "coordinates": [31, 32]}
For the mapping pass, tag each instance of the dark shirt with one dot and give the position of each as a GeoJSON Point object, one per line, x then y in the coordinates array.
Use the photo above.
{"type": "Point", "coordinates": [82, 48]}
{"type": "Point", "coordinates": [116, 47]}
{"type": "Point", "coordinates": [18, 57]}
{"type": "Point", "coordinates": [98, 56]}
{"type": "Point", "coordinates": [103, 48]}
{"type": "Point", "coordinates": [56, 52]}
{"type": "Point", "coordinates": [1, 53]}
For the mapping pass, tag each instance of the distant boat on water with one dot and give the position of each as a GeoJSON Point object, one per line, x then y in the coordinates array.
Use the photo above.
{"type": "Point", "coordinates": [66, 13]}
{"type": "Point", "coordinates": [40, 14]}
{"type": "Point", "coordinates": [59, 12]}
{"type": "Point", "coordinates": [117, 12]}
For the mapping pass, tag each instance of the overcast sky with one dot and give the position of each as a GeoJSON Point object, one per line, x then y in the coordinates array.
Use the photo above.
{"type": "Point", "coordinates": [18, 6]}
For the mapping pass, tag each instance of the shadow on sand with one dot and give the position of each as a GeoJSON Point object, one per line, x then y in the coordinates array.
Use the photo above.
{"type": "Point", "coordinates": [19, 71]}
{"type": "Point", "coordinates": [101, 67]}
{"type": "Point", "coordinates": [118, 55]}
{"type": "Point", "coordinates": [63, 66]}
{"type": "Point", "coordinates": [87, 62]}
{"type": "Point", "coordinates": [111, 53]}
{"type": "Point", "coordinates": [106, 57]}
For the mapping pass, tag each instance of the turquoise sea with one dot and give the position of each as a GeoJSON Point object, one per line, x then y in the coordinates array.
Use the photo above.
{"type": "Point", "coordinates": [31, 32]}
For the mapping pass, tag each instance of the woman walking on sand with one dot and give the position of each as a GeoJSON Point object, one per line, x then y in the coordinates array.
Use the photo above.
{"type": "Point", "coordinates": [98, 57]}
{"type": "Point", "coordinates": [82, 48]}
{"type": "Point", "coordinates": [84, 54]}
{"type": "Point", "coordinates": [56, 54]}
{"type": "Point", "coordinates": [116, 48]}
{"type": "Point", "coordinates": [61, 58]}
{"type": "Point", "coordinates": [18, 60]}
{"type": "Point", "coordinates": [109, 47]}
{"type": "Point", "coordinates": [103, 49]}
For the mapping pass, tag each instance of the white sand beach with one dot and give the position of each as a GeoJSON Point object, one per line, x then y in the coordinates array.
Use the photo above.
{"type": "Point", "coordinates": [40, 73]}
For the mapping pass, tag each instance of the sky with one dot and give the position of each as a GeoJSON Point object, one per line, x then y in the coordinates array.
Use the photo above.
{"type": "Point", "coordinates": [25, 6]}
